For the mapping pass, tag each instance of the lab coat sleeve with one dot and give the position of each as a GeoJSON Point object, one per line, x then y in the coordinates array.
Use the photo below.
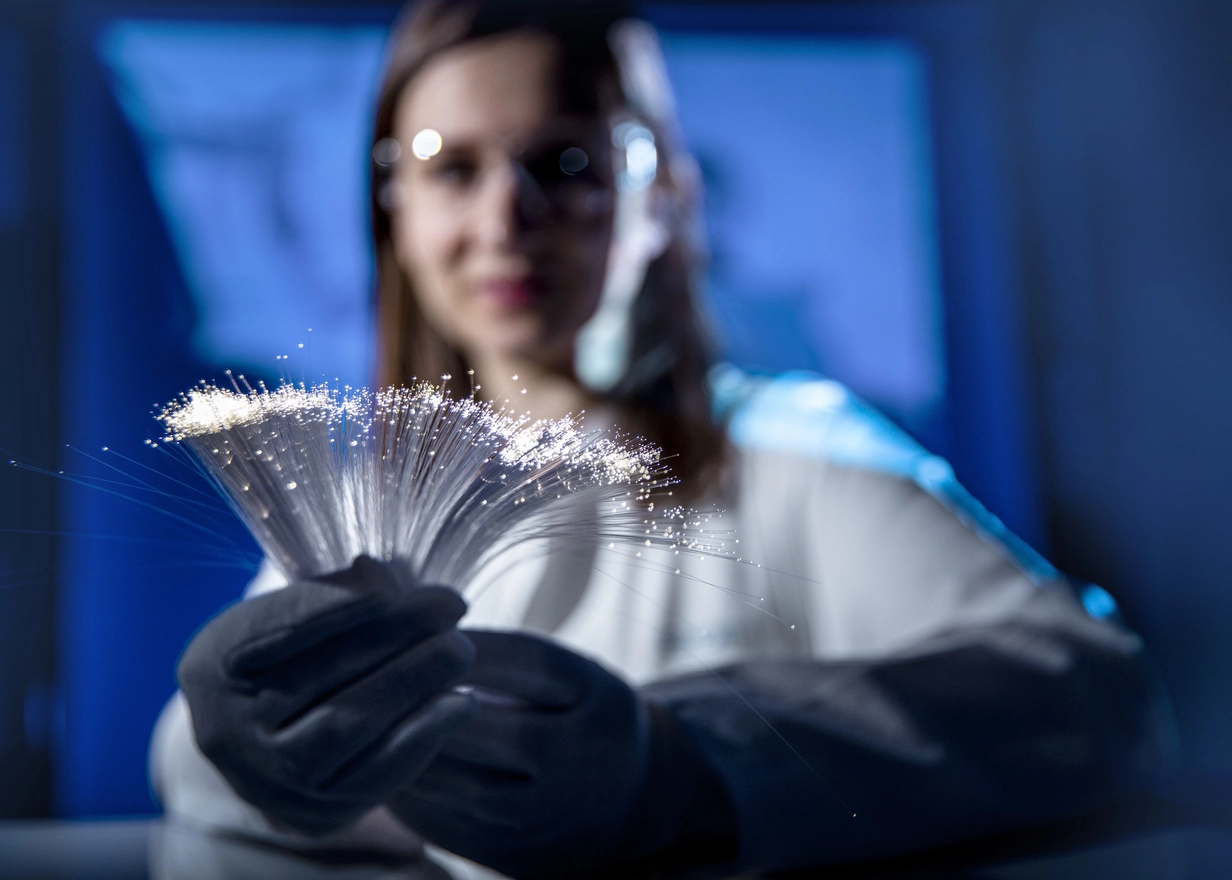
{"type": "Point", "coordinates": [968, 699]}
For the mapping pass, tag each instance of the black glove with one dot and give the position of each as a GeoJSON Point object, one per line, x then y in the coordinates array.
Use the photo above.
{"type": "Point", "coordinates": [566, 771]}
{"type": "Point", "coordinates": [317, 701]}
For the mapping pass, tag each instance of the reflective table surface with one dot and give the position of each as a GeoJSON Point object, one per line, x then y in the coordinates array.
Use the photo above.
{"type": "Point", "coordinates": [1140, 849]}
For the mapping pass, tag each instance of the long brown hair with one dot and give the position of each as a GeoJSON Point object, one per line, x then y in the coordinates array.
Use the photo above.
{"type": "Point", "coordinates": [663, 394]}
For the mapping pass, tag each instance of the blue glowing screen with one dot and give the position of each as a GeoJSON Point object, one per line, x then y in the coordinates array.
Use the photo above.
{"type": "Point", "coordinates": [255, 139]}
{"type": "Point", "coordinates": [817, 160]}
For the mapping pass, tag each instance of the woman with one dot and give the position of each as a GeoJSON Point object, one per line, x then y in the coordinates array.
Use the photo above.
{"type": "Point", "coordinates": [903, 681]}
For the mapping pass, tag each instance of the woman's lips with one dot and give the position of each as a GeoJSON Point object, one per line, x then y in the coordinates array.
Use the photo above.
{"type": "Point", "coordinates": [513, 293]}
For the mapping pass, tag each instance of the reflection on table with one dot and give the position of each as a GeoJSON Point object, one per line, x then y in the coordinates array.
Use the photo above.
{"type": "Point", "coordinates": [177, 852]}
{"type": "Point", "coordinates": [158, 850]}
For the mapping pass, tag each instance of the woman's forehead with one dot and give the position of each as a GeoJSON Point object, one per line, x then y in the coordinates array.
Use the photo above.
{"type": "Point", "coordinates": [502, 86]}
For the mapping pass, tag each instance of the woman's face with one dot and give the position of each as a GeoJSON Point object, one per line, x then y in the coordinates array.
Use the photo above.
{"type": "Point", "coordinates": [503, 235]}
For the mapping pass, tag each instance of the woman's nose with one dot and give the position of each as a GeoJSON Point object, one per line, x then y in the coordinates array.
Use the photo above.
{"type": "Point", "coordinates": [512, 202]}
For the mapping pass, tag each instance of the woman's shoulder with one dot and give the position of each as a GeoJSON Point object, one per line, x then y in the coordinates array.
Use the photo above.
{"type": "Point", "coordinates": [804, 439]}
{"type": "Point", "coordinates": [810, 423]}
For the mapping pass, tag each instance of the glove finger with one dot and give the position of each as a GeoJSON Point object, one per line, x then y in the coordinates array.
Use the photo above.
{"type": "Point", "coordinates": [315, 744]}
{"type": "Point", "coordinates": [294, 686]}
{"type": "Point", "coordinates": [404, 752]}
{"type": "Point", "coordinates": [300, 617]}
{"type": "Point", "coordinates": [269, 629]}
{"type": "Point", "coordinates": [531, 668]}
{"type": "Point", "coordinates": [507, 741]}
{"type": "Point", "coordinates": [477, 794]}
{"type": "Point", "coordinates": [266, 629]}
{"type": "Point", "coordinates": [368, 573]}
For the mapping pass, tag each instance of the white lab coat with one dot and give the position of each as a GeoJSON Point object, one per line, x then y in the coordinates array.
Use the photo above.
{"type": "Point", "coordinates": [854, 546]}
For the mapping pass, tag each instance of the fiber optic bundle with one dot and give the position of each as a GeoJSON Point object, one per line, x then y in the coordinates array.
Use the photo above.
{"type": "Point", "coordinates": [320, 476]}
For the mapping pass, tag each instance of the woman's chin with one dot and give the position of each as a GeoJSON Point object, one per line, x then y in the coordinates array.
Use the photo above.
{"type": "Point", "coordinates": [518, 343]}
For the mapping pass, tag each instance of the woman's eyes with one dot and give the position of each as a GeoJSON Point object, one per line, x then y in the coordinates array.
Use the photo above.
{"type": "Point", "coordinates": [457, 171]}
{"type": "Point", "coordinates": [553, 166]}
{"type": "Point", "coordinates": [562, 163]}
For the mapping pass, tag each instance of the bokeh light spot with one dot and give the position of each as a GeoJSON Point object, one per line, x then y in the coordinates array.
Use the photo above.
{"type": "Point", "coordinates": [573, 160]}
{"type": "Point", "coordinates": [426, 144]}
{"type": "Point", "coordinates": [386, 151]}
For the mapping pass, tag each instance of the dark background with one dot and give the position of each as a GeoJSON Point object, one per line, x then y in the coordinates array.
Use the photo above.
{"type": "Point", "coordinates": [1083, 165]}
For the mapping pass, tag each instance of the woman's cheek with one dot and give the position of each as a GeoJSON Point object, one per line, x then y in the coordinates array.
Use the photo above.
{"type": "Point", "coordinates": [426, 241]}
{"type": "Point", "coordinates": [423, 251]}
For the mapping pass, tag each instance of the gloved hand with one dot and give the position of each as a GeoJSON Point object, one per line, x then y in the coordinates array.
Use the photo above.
{"type": "Point", "coordinates": [566, 771]}
{"type": "Point", "coordinates": [319, 700]}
